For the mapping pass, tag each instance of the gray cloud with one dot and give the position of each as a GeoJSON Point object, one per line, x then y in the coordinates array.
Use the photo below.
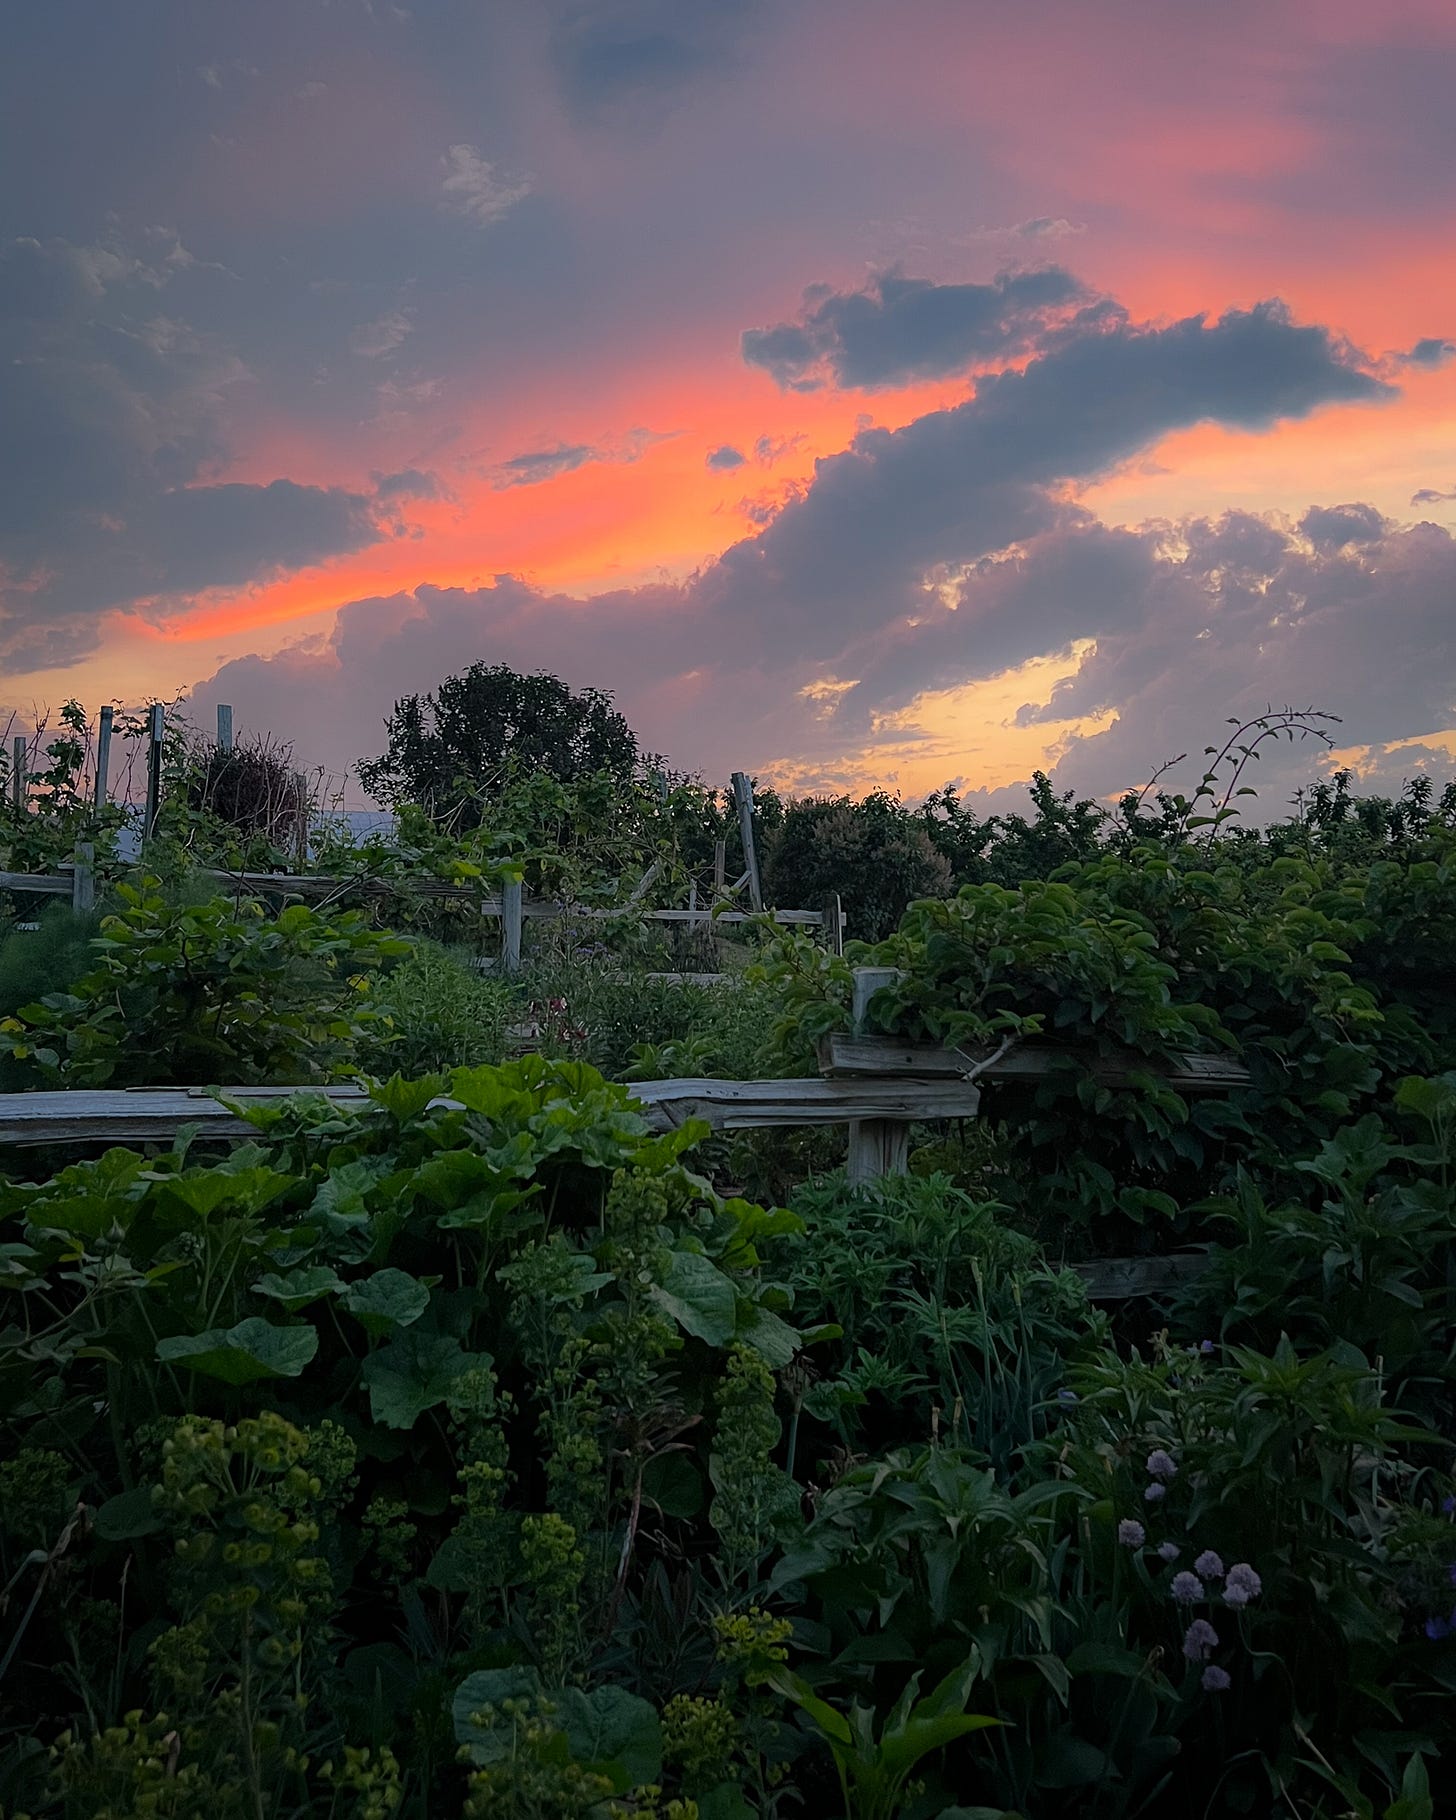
{"type": "Point", "coordinates": [536, 465]}
{"type": "Point", "coordinates": [409, 483]}
{"type": "Point", "coordinates": [629, 60]}
{"type": "Point", "coordinates": [1431, 351]}
{"type": "Point", "coordinates": [971, 499]}
{"type": "Point", "coordinates": [115, 426]}
{"type": "Point", "coordinates": [899, 329]}
{"type": "Point", "coordinates": [726, 458]}
{"type": "Point", "coordinates": [1430, 496]}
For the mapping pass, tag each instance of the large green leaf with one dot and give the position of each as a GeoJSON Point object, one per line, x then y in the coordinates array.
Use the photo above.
{"type": "Point", "coordinates": [254, 1349]}
{"type": "Point", "coordinates": [387, 1300]}
{"type": "Point", "coordinates": [699, 1298]}
{"type": "Point", "coordinates": [489, 1687]}
{"type": "Point", "coordinates": [413, 1373]}
{"type": "Point", "coordinates": [769, 1336]}
{"type": "Point", "coordinates": [295, 1289]}
{"type": "Point", "coordinates": [203, 1191]}
{"type": "Point", "coordinates": [612, 1732]}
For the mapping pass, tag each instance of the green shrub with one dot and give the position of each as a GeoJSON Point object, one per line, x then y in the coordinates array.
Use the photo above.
{"type": "Point", "coordinates": [194, 993]}
{"type": "Point", "coordinates": [436, 1012]}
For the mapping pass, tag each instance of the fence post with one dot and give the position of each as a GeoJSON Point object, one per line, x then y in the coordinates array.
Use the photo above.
{"type": "Point", "coordinates": [83, 879]}
{"type": "Point", "coordinates": [511, 914]}
{"type": "Point", "coordinates": [18, 768]}
{"type": "Point", "coordinates": [103, 755]}
{"type": "Point", "coordinates": [743, 796]}
{"type": "Point", "coordinates": [157, 732]}
{"type": "Point", "coordinates": [224, 727]}
{"type": "Point", "coordinates": [877, 1147]}
{"type": "Point", "coordinates": [300, 791]}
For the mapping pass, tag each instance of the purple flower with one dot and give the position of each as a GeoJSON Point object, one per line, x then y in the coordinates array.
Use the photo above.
{"type": "Point", "coordinates": [1131, 1534]}
{"type": "Point", "coordinates": [1066, 1396]}
{"type": "Point", "coordinates": [1168, 1551]}
{"type": "Point", "coordinates": [1186, 1588]}
{"type": "Point", "coordinates": [1448, 1507]}
{"type": "Point", "coordinates": [1206, 1347]}
{"type": "Point", "coordinates": [1437, 1628]}
{"type": "Point", "coordinates": [1208, 1566]}
{"type": "Point", "coordinates": [1235, 1594]}
{"type": "Point", "coordinates": [1243, 1577]}
{"type": "Point", "coordinates": [1201, 1640]}
{"type": "Point", "coordinates": [1215, 1679]}
{"type": "Point", "coordinates": [1162, 1465]}
{"type": "Point", "coordinates": [1155, 1491]}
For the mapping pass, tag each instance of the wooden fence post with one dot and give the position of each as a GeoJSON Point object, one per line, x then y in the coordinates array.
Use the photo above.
{"type": "Point", "coordinates": [103, 755]}
{"type": "Point", "coordinates": [720, 868]}
{"type": "Point", "coordinates": [743, 796]}
{"type": "Point", "coordinates": [224, 727]}
{"type": "Point", "coordinates": [877, 1147]}
{"type": "Point", "coordinates": [157, 732]}
{"type": "Point", "coordinates": [83, 879]}
{"type": "Point", "coordinates": [18, 768]}
{"type": "Point", "coordinates": [300, 790]}
{"type": "Point", "coordinates": [511, 915]}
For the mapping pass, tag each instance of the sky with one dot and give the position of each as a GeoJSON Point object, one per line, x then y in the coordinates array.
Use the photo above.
{"type": "Point", "coordinates": [870, 393]}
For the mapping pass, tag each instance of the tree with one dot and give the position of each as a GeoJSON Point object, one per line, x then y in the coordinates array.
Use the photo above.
{"type": "Point", "coordinates": [872, 853]}
{"type": "Point", "coordinates": [450, 749]}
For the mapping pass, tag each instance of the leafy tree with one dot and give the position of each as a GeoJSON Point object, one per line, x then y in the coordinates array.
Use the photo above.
{"type": "Point", "coordinates": [873, 853]}
{"type": "Point", "coordinates": [450, 749]}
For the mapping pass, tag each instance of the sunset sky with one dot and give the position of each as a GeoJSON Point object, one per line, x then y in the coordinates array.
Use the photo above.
{"type": "Point", "coordinates": [869, 392]}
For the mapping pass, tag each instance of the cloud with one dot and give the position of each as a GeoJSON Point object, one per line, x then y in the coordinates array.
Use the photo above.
{"type": "Point", "coordinates": [947, 551]}
{"type": "Point", "coordinates": [627, 61]}
{"type": "Point", "coordinates": [409, 483]}
{"type": "Point", "coordinates": [770, 449]}
{"type": "Point", "coordinates": [1039, 227]}
{"type": "Point", "coordinates": [1430, 496]}
{"type": "Point", "coordinates": [537, 465]}
{"type": "Point", "coordinates": [472, 187]}
{"type": "Point", "coordinates": [726, 458]}
{"type": "Point", "coordinates": [1431, 351]}
{"type": "Point", "coordinates": [1337, 527]}
{"type": "Point", "coordinates": [899, 330]}
{"type": "Point", "coordinates": [115, 433]}
{"type": "Point", "coordinates": [373, 340]}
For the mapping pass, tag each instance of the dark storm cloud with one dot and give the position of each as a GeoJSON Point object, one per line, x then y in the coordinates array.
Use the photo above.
{"type": "Point", "coordinates": [899, 330]}
{"type": "Point", "coordinates": [1431, 351]}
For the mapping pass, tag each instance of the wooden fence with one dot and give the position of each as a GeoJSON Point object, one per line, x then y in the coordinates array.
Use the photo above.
{"type": "Point", "coordinates": [878, 1086]}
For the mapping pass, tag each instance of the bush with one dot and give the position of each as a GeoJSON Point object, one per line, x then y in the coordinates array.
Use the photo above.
{"type": "Point", "coordinates": [198, 993]}
{"type": "Point", "coordinates": [872, 853]}
{"type": "Point", "coordinates": [435, 1012]}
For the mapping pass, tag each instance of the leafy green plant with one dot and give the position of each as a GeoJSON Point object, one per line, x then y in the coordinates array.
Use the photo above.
{"type": "Point", "coordinates": [203, 992]}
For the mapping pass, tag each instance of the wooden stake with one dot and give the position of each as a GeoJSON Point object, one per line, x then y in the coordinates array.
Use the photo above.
{"type": "Point", "coordinates": [877, 1147]}
{"type": "Point", "coordinates": [511, 916]}
{"type": "Point", "coordinates": [720, 867]}
{"type": "Point", "coordinates": [103, 754]}
{"type": "Point", "coordinates": [18, 770]}
{"type": "Point", "coordinates": [300, 791]}
{"type": "Point", "coordinates": [743, 796]}
{"type": "Point", "coordinates": [224, 727]}
{"type": "Point", "coordinates": [83, 879]}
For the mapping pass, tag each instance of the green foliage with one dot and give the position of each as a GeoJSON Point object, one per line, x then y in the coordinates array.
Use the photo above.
{"type": "Point", "coordinates": [449, 749]}
{"type": "Point", "coordinates": [435, 1012]}
{"type": "Point", "coordinates": [205, 992]}
{"type": "Point", "coordinates": [378, 1410]}
{"type": "Point", "coordinates": [873, 853]}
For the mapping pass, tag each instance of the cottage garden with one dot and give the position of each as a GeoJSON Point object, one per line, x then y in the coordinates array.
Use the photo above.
{"type": "Point", "coordinates": [474, 1448]}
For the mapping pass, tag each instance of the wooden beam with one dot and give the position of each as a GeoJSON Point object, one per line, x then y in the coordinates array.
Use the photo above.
{"type": "Point", "coordinates": [511, 907]}
{"type": "Point", "coordinates": [155, 1114]}
{"type": "Point", "coordinates": [877, 1146]}
{"type": "Point", "coordinates": [842, 1054]}
{"type": "Point", "coordinates": [35, 881]}
{"type": "Point", "coordinates": [224, 727]}
{"type": "Point", "coordinates": [743, 796]}
{"type": "Point", "coordinates": [1121, 1279]}
{"type": "Point", "coordinates": [103, 755]}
